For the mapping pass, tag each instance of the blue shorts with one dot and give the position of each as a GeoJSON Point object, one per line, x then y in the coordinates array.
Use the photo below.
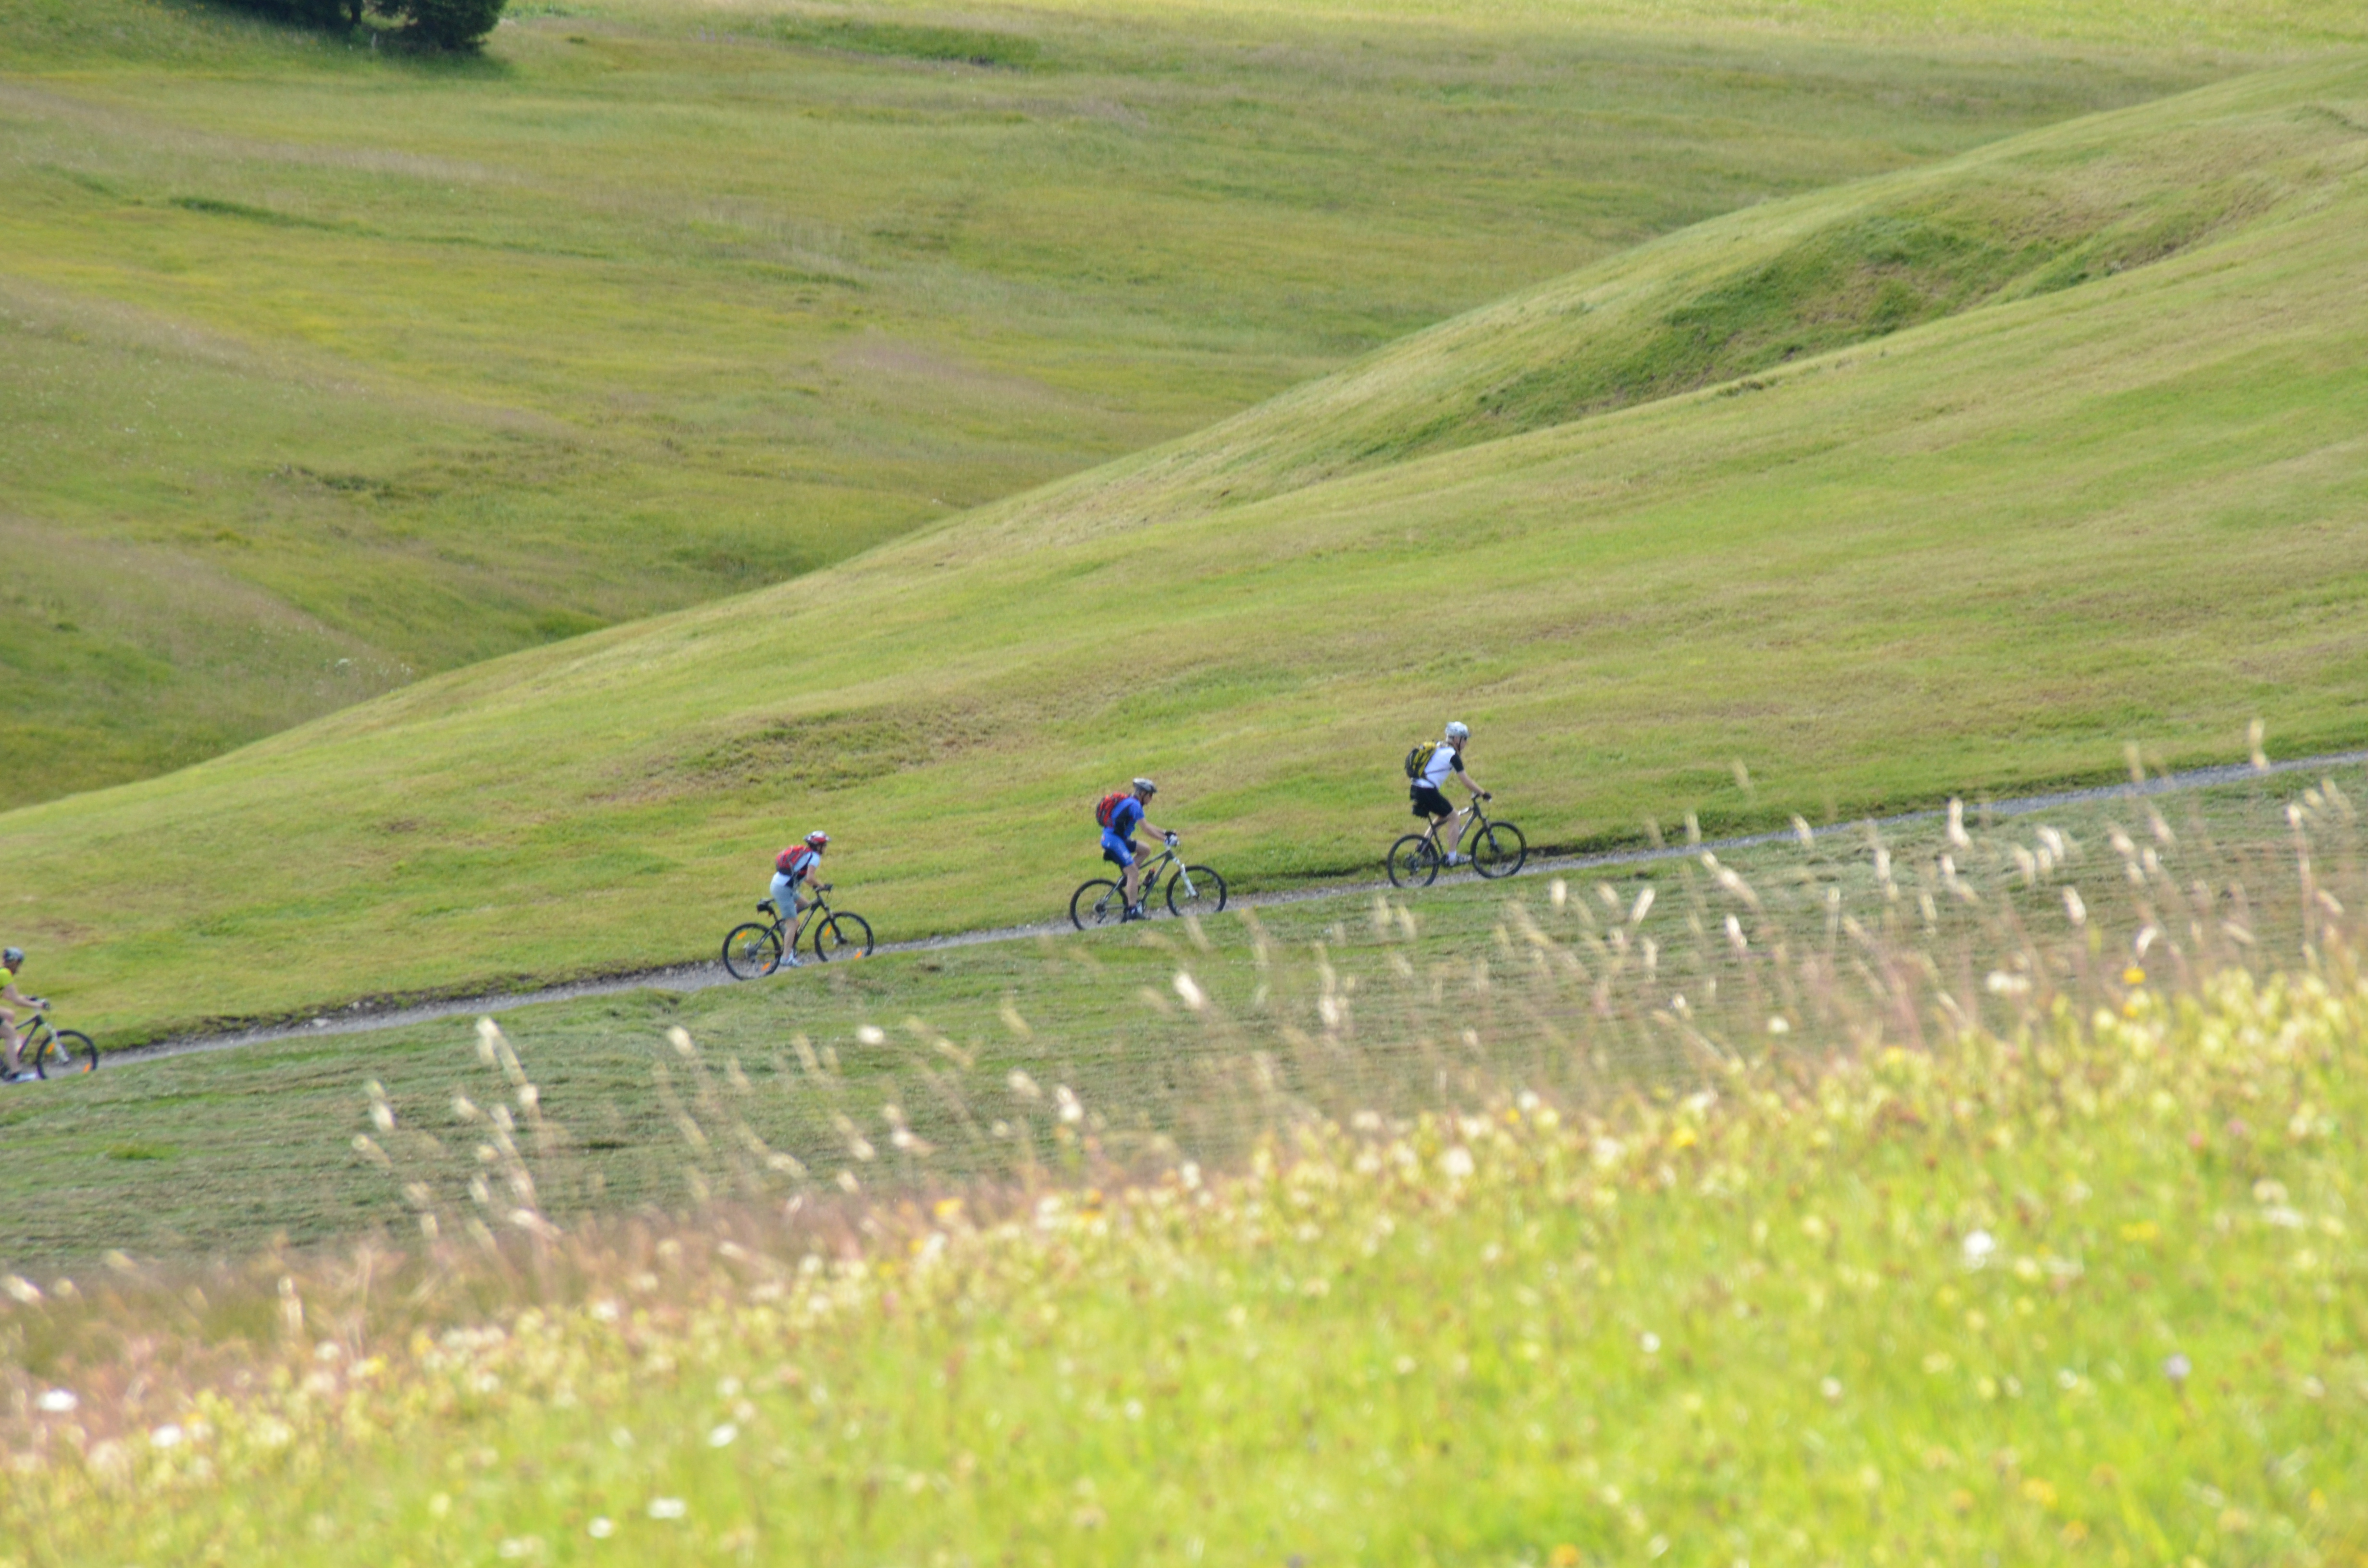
{"type": "Point", "coordinates": [1120, 852]}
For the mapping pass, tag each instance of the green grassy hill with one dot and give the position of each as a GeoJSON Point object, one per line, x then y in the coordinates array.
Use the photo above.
{"type": "Point", "coordinates": [320, 370]}
{"type": "Point", "coordinates": [1975, 553]}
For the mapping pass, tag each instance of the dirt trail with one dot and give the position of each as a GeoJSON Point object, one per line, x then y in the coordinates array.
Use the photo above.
{"type": "Point", "coordinates": [360, 1018]}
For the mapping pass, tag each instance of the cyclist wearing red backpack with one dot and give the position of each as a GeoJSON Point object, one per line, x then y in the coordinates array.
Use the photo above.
{"type": "Point", "coordinates": [1120, 814]}
{"type": "Point", "coordinates": [791, 867]}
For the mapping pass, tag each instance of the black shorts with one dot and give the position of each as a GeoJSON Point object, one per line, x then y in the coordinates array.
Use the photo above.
{"type": "Point", "coordinates": [1430, 803]}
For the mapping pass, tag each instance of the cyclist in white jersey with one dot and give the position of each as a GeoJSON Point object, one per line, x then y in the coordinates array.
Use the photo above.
{"type": "Point", "coordinates": [793, 868]}
{"type": "Point", "coordinates": [1429, 790]}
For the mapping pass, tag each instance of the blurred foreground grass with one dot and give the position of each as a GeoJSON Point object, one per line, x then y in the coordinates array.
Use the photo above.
{"type": "Point", "coordinates": [2031, 1234]}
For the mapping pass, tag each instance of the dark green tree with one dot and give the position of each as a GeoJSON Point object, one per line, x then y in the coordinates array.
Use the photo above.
{"type": "Point", "coordinates": [432, 24]}
{"type": "Point", "coordinates": [444, 24]}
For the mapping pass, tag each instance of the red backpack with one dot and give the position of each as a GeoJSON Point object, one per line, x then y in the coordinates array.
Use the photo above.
{"type": "Point", "coordinates": [792, 862]}
{"type": "Point", "coordinates": [1108, 807]}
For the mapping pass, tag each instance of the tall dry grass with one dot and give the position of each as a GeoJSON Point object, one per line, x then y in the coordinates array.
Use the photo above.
{"type": "Point", "coordinates": [2011, 1129]}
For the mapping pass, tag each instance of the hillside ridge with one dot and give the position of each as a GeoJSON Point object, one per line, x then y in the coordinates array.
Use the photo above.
{"type": "Point", "coordinates": [2045, 523]}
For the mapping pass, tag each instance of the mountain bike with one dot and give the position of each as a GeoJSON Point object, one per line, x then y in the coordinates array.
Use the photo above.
{"type": "Point", "coordinates": [1191, 889]}
{"type": "Point", "coordinates": [49, 1051]}
{"type": "Point", "coordinates": [754, 950]}
{"type": "Point", "coordinates": [1495, 849]}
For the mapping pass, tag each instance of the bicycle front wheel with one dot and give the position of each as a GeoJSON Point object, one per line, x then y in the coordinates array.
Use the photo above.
{"type": "Point", "coordinates": [752, 951]}
{"type": "Point", "coordinates": [1204, 896]}
{"type": "Point", "coordinates": [1499, 849]}
{"type": "Point", "coordinates": [67, 1050]}
{"type": "Point", "coordinates": [843, 936]}
{"type": "Point", "coordinates": [1098, 902]}
{"type": "Point", "coordinates": [1414, 862]}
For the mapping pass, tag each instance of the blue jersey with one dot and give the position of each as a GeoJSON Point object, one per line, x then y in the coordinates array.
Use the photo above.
{"type": "Point", "coordinates": [1125, 817]}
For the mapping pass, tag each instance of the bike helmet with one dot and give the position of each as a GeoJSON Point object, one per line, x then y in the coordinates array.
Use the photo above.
{"type": "Point", "coordinates": [12, 956]}
{"type": "Point", "coordinates": [1457, 730]}
{"type": "Point", "coordinates": [1145, 786]}
{"type": "Point", "coordinates": [818, 839]}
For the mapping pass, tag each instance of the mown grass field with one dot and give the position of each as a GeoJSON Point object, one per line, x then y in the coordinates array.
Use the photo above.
{"type": "Point", "coordinates": [2064, 514]}
{"type": "Point", "coordinates": [221, 1155]}
{"type": "Point", "coordinates": [2039, 1243]}
{"type": "Point", "coordinates": [323, 369]}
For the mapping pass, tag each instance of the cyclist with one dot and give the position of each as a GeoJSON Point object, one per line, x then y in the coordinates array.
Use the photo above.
{"type": "Point", "coordinates": [1430, 786]}
{"type": "Point", "coordinates": [792, 867]}
{"type": "Point", "coordinates": [1117, 842]}
{"type": "Point", "coordinates": [11, 999]}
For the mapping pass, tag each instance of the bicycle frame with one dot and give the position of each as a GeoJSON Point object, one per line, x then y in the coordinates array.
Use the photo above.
{"type": "Point", "coordinates": [1471, 810]}
{"type": "Point", "coordinates": [1155, 867]}
{"type": "Point", "coordinates": [26, 1033]}
{"type": "Point", "coordinates": [782, 921]}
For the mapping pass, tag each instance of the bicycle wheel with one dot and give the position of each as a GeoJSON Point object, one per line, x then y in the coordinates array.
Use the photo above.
{"type": "Point", "coordinates": [1098, 902]}
{"type": "Point", "coordinates": [1414, 862]}
{"type": "Point", "coordinates": [752, 950]}
{"type": "Point", "coordinates": [1206, 896]}
{"type": "Point", "coordinates": [67, 1050]}
{"type": "Point", "coordinates": [843, 936]}
{"type": "Point", "coordinates": [1499, 849]}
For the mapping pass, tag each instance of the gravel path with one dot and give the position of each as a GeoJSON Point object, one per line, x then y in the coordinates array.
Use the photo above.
{"type": "Point", "coordinates": [359, 1017]}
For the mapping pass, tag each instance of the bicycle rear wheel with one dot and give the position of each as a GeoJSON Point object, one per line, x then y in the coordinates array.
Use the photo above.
{"type": "Point", "coordinates": [1413, 861]}
{"type": "Point", "coordinates": [1098, 902]}
{"type": "Point", "coordinates": [752, 950]}
{"type": "Point", "coordinates": [1206, 895]}
{"type": "Point", "coordinates": [843, 936]}
{"type": "Point", "coordinates": [1499, 849]}
{"type": "Point", "coordinates": [64, 1052]}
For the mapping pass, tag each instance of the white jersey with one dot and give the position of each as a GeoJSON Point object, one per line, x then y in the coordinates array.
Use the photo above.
{"type": "Point", "coordinates": [1443, 763]}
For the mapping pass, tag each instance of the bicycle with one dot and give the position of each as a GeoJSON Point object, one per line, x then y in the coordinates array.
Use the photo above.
{"type": "Point", "coordinates": [49, 1049]}
{"type": "Point", "coordinates": [1495, 849]}
{"type": "Point", "coordinates": [754, 950]}
{"type": "Point", "coordinates": [1191, 889]}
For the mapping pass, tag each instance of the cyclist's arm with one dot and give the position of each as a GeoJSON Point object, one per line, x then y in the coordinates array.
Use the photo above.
{"type": "Point", "coordinates": [12, 997]}
{"type": "Point", "coordinates": [1156, 831]}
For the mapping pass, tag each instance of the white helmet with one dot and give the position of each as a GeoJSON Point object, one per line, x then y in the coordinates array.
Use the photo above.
{"type": "Point", "coordinates": [1457, 730]}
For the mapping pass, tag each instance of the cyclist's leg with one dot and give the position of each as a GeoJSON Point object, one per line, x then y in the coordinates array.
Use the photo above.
{"type": "Point", "coordinates": [1432, 807]}
{"type": "Point", "coordinates": [15, 1049]}
{"type": "Point", "coordinates": [784, 894]}
{"type": "Point", "coordinates": [1122, 854]}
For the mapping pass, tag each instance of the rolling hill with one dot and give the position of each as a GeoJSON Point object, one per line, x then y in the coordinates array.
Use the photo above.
{"type": "Point", "coordinates": [1954, 480]}
{"type": "Point", "coordinates": [321, 368]}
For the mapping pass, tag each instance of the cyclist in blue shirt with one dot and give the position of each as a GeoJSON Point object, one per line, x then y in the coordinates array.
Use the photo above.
{"type": "Point", "coordinates": [1117, 842]}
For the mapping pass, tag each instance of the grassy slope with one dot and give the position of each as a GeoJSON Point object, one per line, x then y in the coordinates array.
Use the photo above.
{"type": "Point", "coordinates": [2122, 510]}
{"type": "Point", "coordinates": [215, 1154]}
{"type": "Point", "coordinates": [417, 365]}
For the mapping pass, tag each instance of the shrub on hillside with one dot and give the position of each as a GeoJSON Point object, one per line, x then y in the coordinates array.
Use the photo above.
{"type": "Point", "coordinates": [436, 24]}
